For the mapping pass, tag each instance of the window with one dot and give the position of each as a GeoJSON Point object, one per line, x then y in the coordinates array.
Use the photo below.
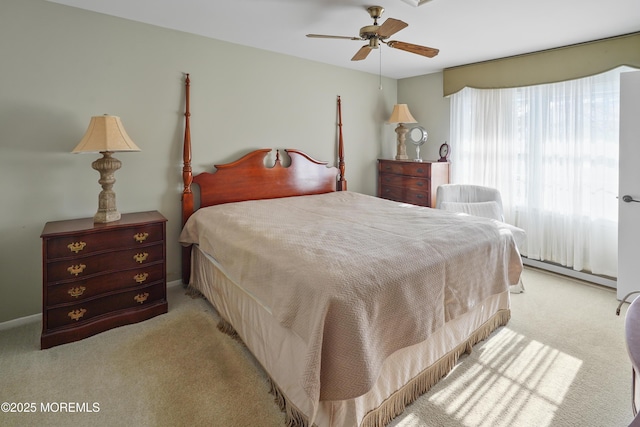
{"type": "Point", "coordinates": [552, 151]}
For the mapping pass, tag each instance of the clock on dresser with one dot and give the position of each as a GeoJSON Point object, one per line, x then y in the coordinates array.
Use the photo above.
{"type": "Point", "coordinates": [97, 277]}
{"type": "Point", "coordinates": [411, 182]}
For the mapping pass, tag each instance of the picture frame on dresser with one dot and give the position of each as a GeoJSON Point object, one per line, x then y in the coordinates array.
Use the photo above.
{"type": "Point", "coordinates": [98, 276]}
{"type": "Point", "coordinates": [411, 182]}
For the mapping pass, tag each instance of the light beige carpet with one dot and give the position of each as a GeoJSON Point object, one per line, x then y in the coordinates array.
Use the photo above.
{"type": "Point", "coordinates": [561, 361]}
{"type": "Point", "coordinates": [176, 369]}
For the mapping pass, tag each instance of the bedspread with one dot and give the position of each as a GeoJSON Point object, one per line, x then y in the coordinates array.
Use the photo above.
{"type": "Point", "coordinates": [356, 277]}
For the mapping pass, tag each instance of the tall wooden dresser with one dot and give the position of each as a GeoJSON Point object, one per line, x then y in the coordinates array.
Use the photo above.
{"type": "Point", "coordinates": [411, 182]}
{"type": "Point", "coordinates": [96, 277]}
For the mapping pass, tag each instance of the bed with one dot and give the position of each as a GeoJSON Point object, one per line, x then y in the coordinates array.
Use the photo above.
{"type": "Point", "coordinates": [353, 305]}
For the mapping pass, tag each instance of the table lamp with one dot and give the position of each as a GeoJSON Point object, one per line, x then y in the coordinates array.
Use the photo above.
{"type": "Point", "coordinates": [400, 115]}
{"type": "Point", "coordinates": [106, 135]}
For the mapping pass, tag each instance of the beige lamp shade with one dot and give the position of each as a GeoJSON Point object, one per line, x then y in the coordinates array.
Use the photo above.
{"type": "Point", "coordinates": [401, 114]}
{"type": "Point", "coordinates": [105, 133]}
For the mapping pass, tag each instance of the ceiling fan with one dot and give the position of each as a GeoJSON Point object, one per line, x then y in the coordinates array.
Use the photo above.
{"type": "Point", "coordinates": [374, 34]}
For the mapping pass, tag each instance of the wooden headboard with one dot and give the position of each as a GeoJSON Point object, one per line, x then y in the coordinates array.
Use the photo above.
{"type": "Point", "coordinates": [249, 178]}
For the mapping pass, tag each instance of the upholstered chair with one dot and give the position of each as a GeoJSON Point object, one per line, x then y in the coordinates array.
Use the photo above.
{"type": "Point", "coordinates": [480, 201]}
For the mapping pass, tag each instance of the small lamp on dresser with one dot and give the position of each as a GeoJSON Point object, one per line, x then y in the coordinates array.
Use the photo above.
{"type": "Point", "coordinates": [400, 115]}
{"type": "Point", "coordinates": [106, 135]}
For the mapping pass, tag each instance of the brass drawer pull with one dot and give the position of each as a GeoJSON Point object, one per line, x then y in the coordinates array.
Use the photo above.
{"type": "Point", "coordinates": [140, 237]}
{"type": "Point", "coordinates": [77, 291]}
{"type": "Point", "coordinates": [141, 257]}
{"type": "Point", "coordinates": [141, 297]}
{"type": "Point", "coordinates": [420, 183]}
{"type": "Point", "coordinates": [419, 170]}
{"type": "Point", "coordinates": [77, 314]}
{"type": "Point", "coordinates": [76, 269]}
{"type": "Point", "coordinates": [76, 246]}
{"type": "Point", "coordinates": [141, 277]}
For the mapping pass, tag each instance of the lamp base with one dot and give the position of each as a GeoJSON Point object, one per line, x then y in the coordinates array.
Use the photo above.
{"type": "Point", "coordinates": [107, 166]}
{"type": "Point", "coordinates": [106, 216]}
{"type": "Point", "coordinates": [402, 148]}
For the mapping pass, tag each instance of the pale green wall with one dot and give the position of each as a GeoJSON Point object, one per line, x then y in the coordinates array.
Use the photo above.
{"type": "Point", "coordinates": [423, 96]}
{"type": "Point", "coordinates": [59, 66]}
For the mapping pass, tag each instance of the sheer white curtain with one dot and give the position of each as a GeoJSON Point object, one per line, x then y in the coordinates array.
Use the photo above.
{"type": "Point", "coordinates": [552, 151]}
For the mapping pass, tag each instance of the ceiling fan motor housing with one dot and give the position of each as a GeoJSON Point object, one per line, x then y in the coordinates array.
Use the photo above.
{"type": "Point", "coordinates": [370, 32]}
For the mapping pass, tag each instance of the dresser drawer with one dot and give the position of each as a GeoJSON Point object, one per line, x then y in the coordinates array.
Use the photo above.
{"type": "Point", "coordinates": [418, 184]}
{"type": "Point", "coordinates": [72, 314]}
{"type": "Point", "coordinates": [83, 267]}
{"type": "Point", "coordinates": [80, 290]}
{"type": "Point", "coordinates": [406, 195]}
{"type": "Point", "coordinates": [417, 169]}
{"type": "Point", "coordinates": [411, 182]}
{"type": "Point", "coordinates": [80, 244]}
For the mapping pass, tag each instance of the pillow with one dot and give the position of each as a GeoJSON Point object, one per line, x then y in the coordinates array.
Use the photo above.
{"type": "Point", "coordinates": [484, 209]}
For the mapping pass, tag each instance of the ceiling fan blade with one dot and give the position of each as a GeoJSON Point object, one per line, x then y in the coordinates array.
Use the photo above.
{"type": "Point", "coordinates": [390, 27]}
{"type": "Point", "coordinates": [362, 53]}
{"type": "Point", "coordinates": [323, 36]}
{"type": "Point", "coordinates": [429, 52]}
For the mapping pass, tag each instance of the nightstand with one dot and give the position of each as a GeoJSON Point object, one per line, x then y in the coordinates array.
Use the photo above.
{"type": "Point", "coordinates": [410, 181]}
{"type": "Point", "coordinates": [96, 277]}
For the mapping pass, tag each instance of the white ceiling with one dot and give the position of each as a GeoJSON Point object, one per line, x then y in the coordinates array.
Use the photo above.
{"type": "Point", "coordinates": [465, 31]}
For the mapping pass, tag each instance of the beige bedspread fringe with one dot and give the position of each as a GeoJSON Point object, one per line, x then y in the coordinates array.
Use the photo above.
{"type": "Point", "coordinates": [293, 416]}
{"type": "Point", "coordinates": [193, 292]}
{"type": "Point", "coordinates": [396, 403]}
{"type": "Point", "coordinates": [226, 328]}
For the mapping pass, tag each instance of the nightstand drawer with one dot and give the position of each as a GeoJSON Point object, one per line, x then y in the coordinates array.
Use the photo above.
{"type": "Point", "coordinates": [84, 289]}
{"type": "Point", "coordinates": [99, 276]}
{"type": "Point", "coordinates": [73, 314]}
{"type": "Point", "coordinates": [82, 267]}
{"type": "Point", "coordinates": [406, 195]}
{"type": "Point", "coordinates": [81, 244]}
{"type": "Point", "coordinates": [417, 169]}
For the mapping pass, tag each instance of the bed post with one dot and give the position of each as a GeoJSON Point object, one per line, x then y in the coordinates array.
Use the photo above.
{"type": "Point", "coordinates": [342, 182]}
{"type": "Point", "coordinates": [187, 178]}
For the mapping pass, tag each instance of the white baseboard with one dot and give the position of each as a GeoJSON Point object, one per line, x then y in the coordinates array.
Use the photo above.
{"type": "Point", "coordinates": [13, 323]}
{"type": "Point", "coordinates": [174, 283]}
{"type": "Point", "coordinates": [565, 271]}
